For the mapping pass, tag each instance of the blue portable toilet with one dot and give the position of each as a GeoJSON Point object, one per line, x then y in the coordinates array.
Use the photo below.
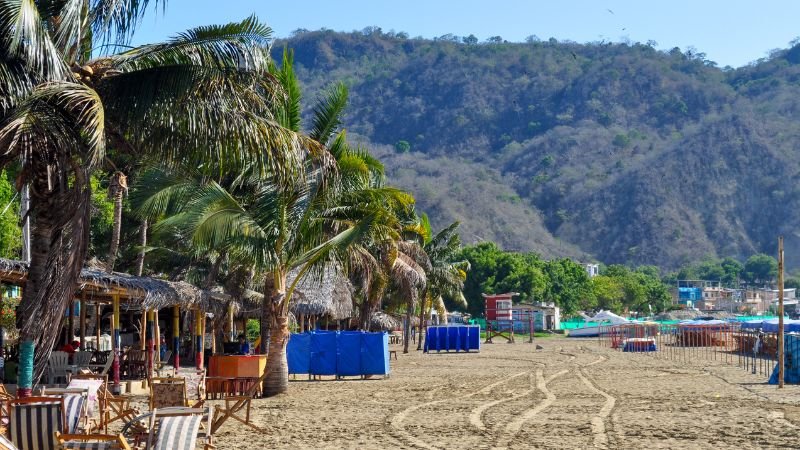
{"type": "Point", "coordinates": [442, 341]}
{"type": "Point", "coordinates": [463, 338]}
{"type": "Point", "coordinates": [474, 338]}
{"type": "Point", "coordinates": [452, 339]}
{"type": "Point", "coordinates": [298, 353]}
{"type": "Point", "coordinates": [348, 353]}
{"type": "Point", "coordinates": [431, 339]}
{"type": "Point", "coordinates": [323, 353]}
{"type": "Point", "coordinates": [374, 353]}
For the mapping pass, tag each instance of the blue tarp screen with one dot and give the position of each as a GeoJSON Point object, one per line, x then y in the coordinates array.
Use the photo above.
{"type": "Point", "coordinates": [460, 338]}
{"type": "Point", "coordinates": [791, 356]}
{"type": "Point", "coordinates": [374, 354]}
{"type": "Point", "coordinates": [771, 325]}
{"type": "Point", "coordinates": [323, 353]}
{"type": "Point", "coordinates": [298, 353]}
{"type": "Point", "coordinates": [348, 354]}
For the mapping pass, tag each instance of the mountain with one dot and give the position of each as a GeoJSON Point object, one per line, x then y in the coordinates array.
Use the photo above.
{"type": "Point", "coordinates": [616, 152]}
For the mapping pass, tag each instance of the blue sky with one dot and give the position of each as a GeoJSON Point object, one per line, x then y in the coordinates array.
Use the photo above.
{"type": "Point", "coordinates": [732, 32]}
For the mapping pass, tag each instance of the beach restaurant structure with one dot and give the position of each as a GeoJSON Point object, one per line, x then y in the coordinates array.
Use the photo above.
{"type": "Point", "coordinates": [112, 300]}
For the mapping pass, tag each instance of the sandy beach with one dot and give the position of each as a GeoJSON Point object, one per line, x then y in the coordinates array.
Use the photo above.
{"type": "Point", "coordinates": [570, 394]}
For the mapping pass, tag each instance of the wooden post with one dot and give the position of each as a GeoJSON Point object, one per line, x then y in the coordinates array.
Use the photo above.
{"type": "Point", "coordinates": [781, 362]}
{"type": "Point", "coordinates": [158, 336]}
{"type": "Point", "coordinates": [150, 344]}
{"type": "Point", "coordinates": [198, 329]}
{"type": "Point", "coordinates": [83, 321]}
{"type": "Point", "coordinates": [98, 325]}
{"type": "Point", "coordinates": [71, 321]}
{"type": "Point", "coordinates": [176, 336]}
{"type": "Point", "coordinates": [143, 331]}
{"type": "Point", "coordinates": [115, 344]}
{"type": "Point", "coordinates": [213, 337]}
{"type": "Point", "coordinates": [231, 335]}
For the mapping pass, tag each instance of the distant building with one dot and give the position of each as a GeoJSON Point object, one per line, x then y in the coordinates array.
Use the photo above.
{"type": "Point", "coordinates": [592, 270]}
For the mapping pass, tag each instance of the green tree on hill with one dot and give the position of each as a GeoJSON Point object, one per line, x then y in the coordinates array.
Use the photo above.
{"type": "Point", "coordinates": [760, 268]}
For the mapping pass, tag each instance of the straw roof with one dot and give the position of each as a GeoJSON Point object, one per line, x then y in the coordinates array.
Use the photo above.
{"type": "Point", "coordinates": [330, 296]}
{"type": "Point", "coordinates": [144, 292]}
{"type": "Point", "coordinates": [384, 322]}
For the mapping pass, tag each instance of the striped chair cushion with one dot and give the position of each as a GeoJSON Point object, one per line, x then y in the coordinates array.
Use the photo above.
{"type": "Point", "coordinates": [178, 432]}
{"type": "Point", "coordinates": [33, 427]}
{"type": "Point", "coordinates": [74, 409]}
{"type": "Point", "coordinates": [5, 444]}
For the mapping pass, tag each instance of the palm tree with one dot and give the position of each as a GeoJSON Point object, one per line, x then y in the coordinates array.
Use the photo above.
{"type": "Point", "coordinates": [203, 95]}
{"type": "Point", "coordinates": [326, 216]}
{"type": "Point", "coordinates": [446, 274]}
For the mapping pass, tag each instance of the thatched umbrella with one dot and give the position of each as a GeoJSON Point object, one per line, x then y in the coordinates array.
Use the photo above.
{"type": "Point", "coordinates": [329, 296]}
{"type": "Point", "coordinates": [384, 322]}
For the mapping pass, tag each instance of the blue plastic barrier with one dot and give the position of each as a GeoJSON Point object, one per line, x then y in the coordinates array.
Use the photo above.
{"type": "Point", "coordinates": [323, 353]}
{"type": "Point", "coordinates": [346, 353]}
{"type": "Point", "coordinates": [456, 338]}
{"type": "Point", "coordinates": [374, 354]}
{"type": "Point", "coordinates": [432, 339]}
{"type": "Point", "coordinates": [298, 353]}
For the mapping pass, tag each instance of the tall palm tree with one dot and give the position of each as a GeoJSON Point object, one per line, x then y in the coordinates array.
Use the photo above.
{"type": "Point", "coordinates": [326, 216]}
{"type": "Point", "coordinates": [203, 95]}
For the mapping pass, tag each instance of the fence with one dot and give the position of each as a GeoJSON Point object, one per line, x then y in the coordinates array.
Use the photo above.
{"type": "Point", "coordinates": [754, 350]}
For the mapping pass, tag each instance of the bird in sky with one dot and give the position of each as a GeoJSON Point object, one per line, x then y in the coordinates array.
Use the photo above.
{"type": "Point", "coordinates": [612, 12]}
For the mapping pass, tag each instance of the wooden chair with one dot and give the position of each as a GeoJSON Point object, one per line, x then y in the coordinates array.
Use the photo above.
{"type": "Point", "coordinates": [91, 441]}
{"type": "Point", "coordinates": [57, 367]}
{"type": "Point", "coordinates": [161, 363]}
{"type": "Point", "coordinates": [112, 407]}
{"type": "Point", "coordinates": [178, 429]}
{"type": "Point", "coordinates": [234, 405]}
{"type": "Point", "coordinates": [75, 407]}
{"type": "Point", "coordinates": [135, 363]}
{"type": "Point", "coordinates": [6, 444]}
{"type": "Point", "coordinates": [5, 397]}
{"type": "Point", "coordinates": [168, 392]}
{"type": "Point", "coordinates": [35, 420]}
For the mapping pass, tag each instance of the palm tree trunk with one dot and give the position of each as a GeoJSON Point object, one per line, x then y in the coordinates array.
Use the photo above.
{"type": "Point", "coordinates": [59, 233]}
{"type": "Point", "coordinates": [117, 186]}
{"type": "Point", "coordinates": [276, 380]}
{"type": "Point", "coordinates": [423, 319]}
{"type": "Point", "coordinates": [142, 245]}
{"type": "Point", "coordinates": [407, 334]}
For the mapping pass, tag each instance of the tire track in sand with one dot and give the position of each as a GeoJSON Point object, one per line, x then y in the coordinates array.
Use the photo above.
{"type": "Point", "coordinates": [514, 427]}
{"type": "Point", "coordinates": [598, 421]}
{"type": "Point", "coordinates": [397, 420]}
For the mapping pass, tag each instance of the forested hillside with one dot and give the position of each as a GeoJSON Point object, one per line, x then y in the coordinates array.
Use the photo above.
{"type": "Point", "coordinates": [617, 152]}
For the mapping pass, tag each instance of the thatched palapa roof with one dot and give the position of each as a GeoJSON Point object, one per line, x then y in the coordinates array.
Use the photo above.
{"type": "Point", "coordinates": [384, 322]}
{"type": "Point", "coordinates": [330, 296]}
{"type": "Point", "coordinates": [144, 292]}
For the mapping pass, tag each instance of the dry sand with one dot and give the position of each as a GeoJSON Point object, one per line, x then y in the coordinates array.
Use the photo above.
{"type": "Point", "coordinates": [571, 394]}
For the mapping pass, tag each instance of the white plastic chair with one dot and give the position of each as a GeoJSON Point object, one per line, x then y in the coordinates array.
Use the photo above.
{"type": "Point", "coordinates": [58, 367]}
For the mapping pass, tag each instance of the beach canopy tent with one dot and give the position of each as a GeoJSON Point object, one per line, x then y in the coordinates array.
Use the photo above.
{"type": "Point", "coordinates": [605, 316]}
{"type": "Point", "coordinates": [771, 325]}
{"type": "Point", "coordinates": [345, 353]}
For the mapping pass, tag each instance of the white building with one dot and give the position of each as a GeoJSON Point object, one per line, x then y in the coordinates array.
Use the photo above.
{"type": "Point", "coordinates": [592, 269]}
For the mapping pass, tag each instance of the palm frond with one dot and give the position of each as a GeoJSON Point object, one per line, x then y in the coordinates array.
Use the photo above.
{"type": "Point", "coordinates": [23, 36]}
{"type": "Point", "coordinates": [328, 113]}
